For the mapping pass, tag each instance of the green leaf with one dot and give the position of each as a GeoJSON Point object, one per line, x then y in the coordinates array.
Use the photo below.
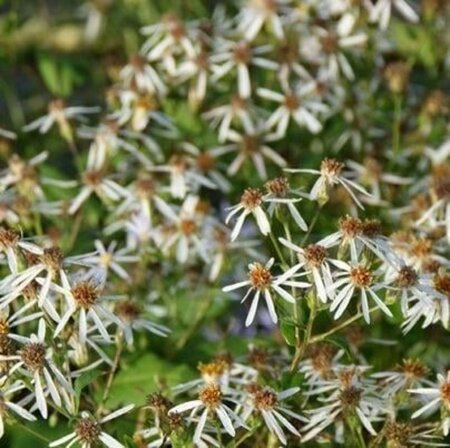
{"type": "Point", "coordinates": [85, 379]}
{"type": "Point", "coordinates": [287, 328]}
{"type": "Point", "coordinates": [50, 74]}
{"type": "Point", "coordinates": [143, 376]}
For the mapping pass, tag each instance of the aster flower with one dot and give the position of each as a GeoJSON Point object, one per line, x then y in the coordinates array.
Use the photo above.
{"type": "Point", "coordinates": [250, 203]}
{"type": "Point", "coordinates": [296, 105]}
{"type": "Point", "coordinates": [256, 13]}
{"type": "Point", "coordinates": [237, 111]}
{"type": "Point", "coordinates": [139, 73]}
{"type": "Point", "coordinates": [187, 232]}
{"type": "Point", "coordinates": [84, 304]}
{"type": "Point", "coordinates": [315, 260]}
{"type": "Point", "coordinates": [267, 403]}
{"type": "Point", "coordinates": [437, 396]}
{"type": "Point", "coordinates": [34, 359]}
{"type": "Point", "coordinates": [330, 175]}
{"type": "Point", "coordinates": [239, 56]}
{"type": "Point", "coordinates": [110, 258]}
{"type": "Point", "coordinates": [252, 144]}
{"type": "Point", "coordinates": [8, 407]}
{"type": "Point", "coordinates": [88, 431]}
{"type": "Point", "coordinates": [262, 282]}
{"type": "Point", "coordinates": [210, 401]}
{"type": "Point", "coordinates": [381, 12]}
{"type": "Point", "coordinates": [59, 114]}
{"type": "Point", "coordinates": [95, 182]}
{"type": "Point", "coordinates": [410, 373]}
{"type": "Point", "coordinates": [278, 190]}
{"type": "Point", "coordinates": [351, 279]}
{"type": "Point", "coordinates": [351, 395]}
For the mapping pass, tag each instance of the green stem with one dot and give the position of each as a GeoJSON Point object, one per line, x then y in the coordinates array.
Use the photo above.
{"type": "Point", "coordinates": [278, 250]}
{"type": "Point", "coordinates": [321, 337]}
{"type": "Point", "coordinates": [33, 432]}
{"type": "Point", "coordinates": [396, 125]}
{"type": "Point", "coordinates": [311, 226]}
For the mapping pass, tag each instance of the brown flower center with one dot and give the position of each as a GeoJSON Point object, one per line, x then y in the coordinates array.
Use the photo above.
{"type": "Point", "coordinates": [211, 396]}
{"type": "Point", "coordinates": [350, 227]}
{"type": "Point", "coordinates": [350, 396]}
{"type": "Point", "coordinates": [315, 255]}
{"type": "Point", "coordinates": [88, 430]}
{"type": "Point", "coordinates": [252, 198]}
{"type": "Point", "coordinates": [33, 355]}
{"type": "Point", "coordinates": [260, 277]}
{"type": "Point", "coordinates": [242, 53]}
{"type": "Point", "coordinates": [265, 399]}
{"type": "Point", "coordinates": [331, 167]}
{"type": "Point", "coordinates": [361, 276]}
{"type": "Point", "coordinates": [407, 277]}
{"type": "Point", "coordinates": [279, 186]}
{"type": "Point", "coordinates": [8, 238]}
{"type": "Point", "coordinates": [85, 294]}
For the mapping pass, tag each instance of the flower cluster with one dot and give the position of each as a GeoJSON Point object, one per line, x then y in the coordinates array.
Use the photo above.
{"type": "Point", "coordinates": [289, 155]}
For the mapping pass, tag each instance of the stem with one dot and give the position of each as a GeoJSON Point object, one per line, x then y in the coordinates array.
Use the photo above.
{"type": "Point", "coordinates": [321, 337]}
{"type": "Point", "coordinates": [197, 322]}
{"type": "Point", "coordinates": [114, 367]}
{"type": "Point", "coordinates": [278, 250]}
{"type": "Point", "coordinates": [311, 226]}
{"type": "Point", "coordinates": [75, 230]}
{"type": "Point", "coordinates": [300, 348]}
{"type": "Point", "coordinates": [396, 124]}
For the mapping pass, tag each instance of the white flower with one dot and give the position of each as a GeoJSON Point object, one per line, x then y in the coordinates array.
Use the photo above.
{"type": "Point", "coordinates": [238, 56]}
{"type": "Point", "coordinates": [8, 407]}
{"type": "Point", "coordinates": [34, 359]}
{"type": "Point", "coordinates": [381, 12]}
{"type": "Point", "coordinates": [267, 402]}
{"type": "Point", "coordinates": [357, 278]}
{"type": "Point", "coordinates": [84, 300]}
{"type": "Point", "coordinates": [210, 400]}
{"type": "Point", "coordinates": [251, 144]}
{"type": "Point", "coordinates": [350, 395]}
{"type": "Point", "coordinates": [278, 191]}
{"type": "Point", "coordinates": [437, 396]}
{"type": "Point", "coordinates": [314, 259]}
{"type": "Point", "coordinates": [88, 431]}
{"type": "Point", "coordinates": [60, 114]}
{"type": "Point", "coordinates": [330, 175]}
{"type": "Point", "coordinates": [263, 282]}
{"type": "Point", "coordinates": [250, 203]}
{"type": "Point", "coordinates": [256, 13]}
{"type": "Point", "coordinates": [294, 105]}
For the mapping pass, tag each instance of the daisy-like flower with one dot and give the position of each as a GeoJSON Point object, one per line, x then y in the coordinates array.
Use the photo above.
{"type": "Point", "coordinates": [262, 282]}
{"type": "Point", "coordinates": [356, 278]}
{"type": "Point", "coordinates": [95, 182]}
{"type": "Point", "coordinates": [210, 401]}
{"type": "Point", "coordinates": [296, 105]}
{"type": "Point", "coordinates": [267, 403]}
{"type": "Point", "coordinates": [406, 434]}
{"type": "Point", "coordinates": [110, 258]}
{"type": "Point", "coordinates": [239, 56]}
{"type": "Point", "coordinates": [60, 114]}
{"type": "Point", "coordinates": [439, 212]}
{"type": "Point", "coordinates": [133, 317]}
{"type": "Point", "coordinates": [34, 359]}
{"type": "Point", "coordinates": [252, 144]}
{"type": "Point", "coordinates": [256, 13]}
{"type": "Point", "coordinates": [330, 175]}
{"type": "Point", "coordinates": [8, 407]}
{"type": "Point", "coordinates": [278, 190]}
{"type": "Point", "coordinates": [251, 203]}
{"type": "Point", "coordinates": [84, 299]}
{"type": "Point", "coordinates": [88, 431]}
{"type": "Point", "coordinates": [410, 373]}
{"type": "Point", "coordinates": [187, 232]}
{"type": "Point", "coordinates": [238, 110]}
{"type": "Point", "coordinates": [351, 395]}
{"type": "Point", "coordinates": [371, 175]}
{"type": "Point", "coordinates": [315, 260]}
{"type": "Point", "coordinates": [140, 74]}
{"type": "Point", "coordinates": [11, 242]}
{"type": "Point", "coordinates": [381, 11]}
{"type": "Point", "coordinates": [333, 46]}
{"type": "Point", "coordinates": [437, 396]}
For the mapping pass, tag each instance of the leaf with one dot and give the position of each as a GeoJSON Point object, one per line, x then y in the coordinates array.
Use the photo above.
{"type": "Point", "coordinates": [50, 74]}
{"type": "Point", "coordinates": [85, 379]}
{"type": "Point", "coordinates": [143, 376]}
{"type": "Point", "coordinates": [287, 328]}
